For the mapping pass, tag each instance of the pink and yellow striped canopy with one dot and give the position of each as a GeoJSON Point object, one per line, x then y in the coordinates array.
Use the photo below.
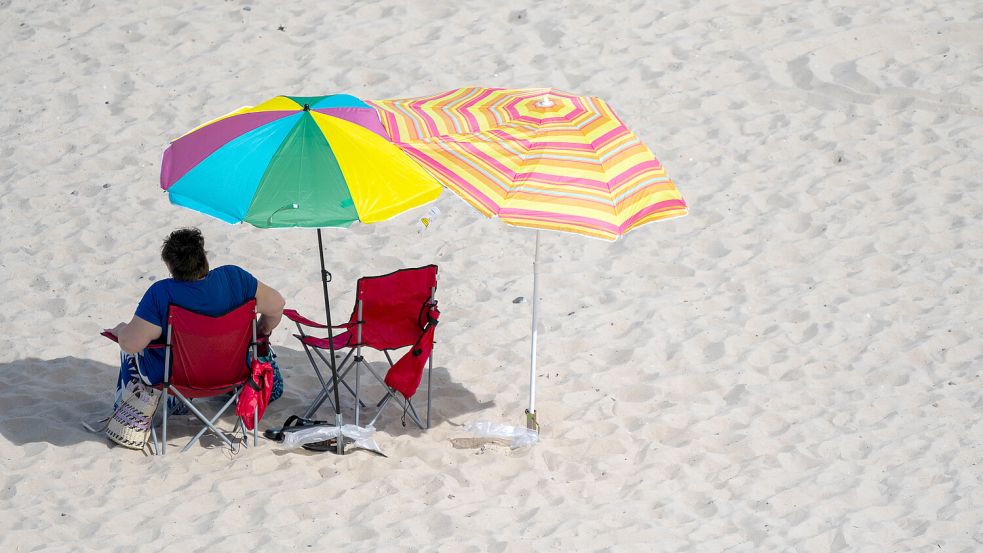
{"type": "Point", "coordinates": [537, 158]}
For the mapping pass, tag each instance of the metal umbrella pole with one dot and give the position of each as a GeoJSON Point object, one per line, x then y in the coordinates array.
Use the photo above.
{"type": "Point", "coordinates": [325, 275]}
{"type": "Point", "coordinates": [531, 421]}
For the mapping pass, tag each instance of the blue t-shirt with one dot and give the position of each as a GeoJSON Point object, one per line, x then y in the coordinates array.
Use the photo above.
{"type": "Point", "coordinates": [221, 291]}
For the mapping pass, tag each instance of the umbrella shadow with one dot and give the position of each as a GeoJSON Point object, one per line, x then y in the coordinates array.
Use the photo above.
{"type": "Point", "coordinates": [449, 399]}
{"type": "Point", "coordinates": [46, 400]}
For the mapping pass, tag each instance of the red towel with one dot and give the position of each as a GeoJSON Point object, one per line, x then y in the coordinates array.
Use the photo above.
{"type": "Point", "coordinates": [406, 374]}
{"type": "Point", "coordinates": [256, 393]}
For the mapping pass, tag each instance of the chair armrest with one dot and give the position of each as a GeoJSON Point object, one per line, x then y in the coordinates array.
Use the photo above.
{"type": "Point", "coordinates": [340, 341]}
{"type": "Point", "coordinates": [109, 334]}
{"type": "Point", "coordinates": [296, 317]}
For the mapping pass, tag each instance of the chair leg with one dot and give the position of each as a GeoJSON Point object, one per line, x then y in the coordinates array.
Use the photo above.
{"type": "Point", "coordinates": [391, 395]}
{"type": "Point", "coordinates": [342, 373]}
{"type": "Point", "coordinates": [381, 406]}
{"type": "Point", "coordinates": [322, 396]}
{"type": "Point", "coordinates": [429, 385]}
{"type": "Point", "coordinates": [376, 375]}
{"type": "Point", "coordinates": [358, 363]}
{"type": "Point", "coordinates": [155, 448]}
{"type": "Point", "coordinates": [245, 433]}
{"type": "Point", "coordinates": [414, 415]}
{"type": "Point", "coordinates": [209, 424]}
{"type": "Point", "coordinates": [153, 430]}
{"type": "Point", "coordinates": [327, 387]}
{"type": "Point", "coordinates": [310, 357]}
{"type": "Point", "coordinates": [407, 406]}
{"type": "Point", "coordinates": [163, 440]}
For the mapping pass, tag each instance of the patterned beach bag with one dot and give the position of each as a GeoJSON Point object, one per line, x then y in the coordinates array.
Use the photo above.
{"type": "Point", "coordinates": [266, 354]}
{"type": "Point", "coordinates": [277, 377]}
{"type": "Point", "coordinates": [130, 424]}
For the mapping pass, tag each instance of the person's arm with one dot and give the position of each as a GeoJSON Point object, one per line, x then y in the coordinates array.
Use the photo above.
{"type": "Point", "coordinates": [269, 304]}
{"type": "Point", "coordinates": [136, 334]}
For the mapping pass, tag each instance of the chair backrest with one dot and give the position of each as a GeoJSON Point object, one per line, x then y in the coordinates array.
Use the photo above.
{"type": "Point", "coordinates": [394, 307]}
{"type": "Point", "coordinates": [209, 353]}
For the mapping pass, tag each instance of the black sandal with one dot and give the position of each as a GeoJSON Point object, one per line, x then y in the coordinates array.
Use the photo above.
{"type": "Point", "coordinates": [292, 424]}
{"type": "Point", "coordinates": [327, 445]}
{"type": "Point", "coordinates": [331, 446]}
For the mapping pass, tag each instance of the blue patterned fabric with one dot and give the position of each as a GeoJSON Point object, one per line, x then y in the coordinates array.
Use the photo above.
{"type": "Point", "coordinates": [277, 377]}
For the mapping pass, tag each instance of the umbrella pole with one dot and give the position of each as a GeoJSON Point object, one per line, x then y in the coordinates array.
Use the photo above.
{"type": "Point", "coordinates": [334, 369]}
{"type": "Point", "coordinates": [531, 421]}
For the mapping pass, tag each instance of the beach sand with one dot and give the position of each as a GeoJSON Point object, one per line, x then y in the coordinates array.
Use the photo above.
{"type": "Point", "coordinates": [795, 366]}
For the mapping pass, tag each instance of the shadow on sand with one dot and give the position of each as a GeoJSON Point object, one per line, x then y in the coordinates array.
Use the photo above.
{"type": "Point", "coordinates": [47, 400]}
{"type": "Point", "coordinates": [450, 399]}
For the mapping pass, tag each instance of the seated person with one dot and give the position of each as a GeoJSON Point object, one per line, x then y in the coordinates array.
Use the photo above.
{"type": "Point", "coordinates": [194, 287]}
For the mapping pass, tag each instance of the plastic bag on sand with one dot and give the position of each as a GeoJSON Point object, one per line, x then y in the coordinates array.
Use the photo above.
{"type": "Point", "coordinates": [518, 436]}
{"type": "Point", "coordinates": [361, 437]}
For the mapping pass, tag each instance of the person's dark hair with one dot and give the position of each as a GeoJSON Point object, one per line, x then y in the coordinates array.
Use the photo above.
{"type": "Point", "coordinates": [184, 254]}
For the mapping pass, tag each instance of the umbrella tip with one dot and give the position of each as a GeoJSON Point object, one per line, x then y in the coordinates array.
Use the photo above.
{"type": "Point", "coordinates": [307, 107]}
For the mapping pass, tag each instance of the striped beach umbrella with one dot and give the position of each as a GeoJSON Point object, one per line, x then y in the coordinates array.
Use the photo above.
{"type": "Point", "coordinates": [538, 158]}
{"type": "Point", "coordinates": [296, 161]}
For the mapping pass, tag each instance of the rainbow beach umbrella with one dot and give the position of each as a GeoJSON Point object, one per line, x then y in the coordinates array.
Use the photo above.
{"type": "Point", "coordinates": [538, 158]}
{"type": "Point", "coordinates": [296, 161]}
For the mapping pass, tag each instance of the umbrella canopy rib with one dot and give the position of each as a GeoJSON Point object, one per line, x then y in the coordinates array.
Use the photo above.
{"type": "Point", "coordinates": [288, 194]}
{"type": "Point", "coordinates": [222, 184]}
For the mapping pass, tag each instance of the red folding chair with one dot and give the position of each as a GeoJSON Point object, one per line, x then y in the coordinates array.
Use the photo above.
{"type": "Point", "coordinates": [391, 311]}
{"type": "Point", "coordinates": [206, 357]}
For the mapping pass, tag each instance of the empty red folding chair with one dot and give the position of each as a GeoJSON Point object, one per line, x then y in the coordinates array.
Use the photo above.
{"type": "Point", "coordinates": [392, 311]}
{"type": "Point", "coordinates": [207, 357]}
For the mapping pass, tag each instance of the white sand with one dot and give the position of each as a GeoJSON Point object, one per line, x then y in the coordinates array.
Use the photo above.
{"type": "Point", "coordinates": [796, 366]}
